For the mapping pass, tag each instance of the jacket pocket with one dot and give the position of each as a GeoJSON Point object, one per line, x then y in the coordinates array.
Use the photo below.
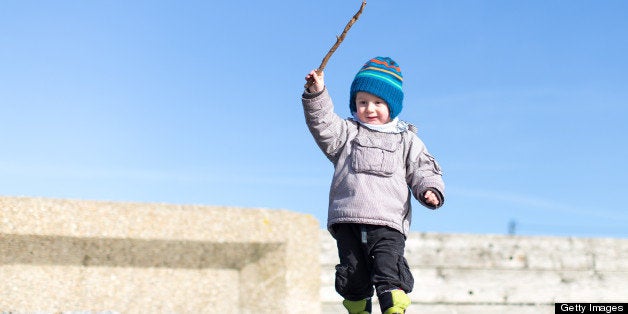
{"type": "Point", "coordinates": [435, 166]}
{"type": "Point", "coordinates": [375, 156]}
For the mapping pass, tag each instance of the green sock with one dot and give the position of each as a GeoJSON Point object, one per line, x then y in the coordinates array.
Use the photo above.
{"type": "Point", "coordinates": [358, 307]}
{"type": "Point", "coordinates": [400, 301]}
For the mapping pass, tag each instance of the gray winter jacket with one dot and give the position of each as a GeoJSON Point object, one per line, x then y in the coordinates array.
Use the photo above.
{"type": "Point", "coordinates": [375, 173]}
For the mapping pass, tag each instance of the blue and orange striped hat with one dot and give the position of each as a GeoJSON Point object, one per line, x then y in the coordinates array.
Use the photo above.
{"type": "Point", "coordinates": [380, 76]}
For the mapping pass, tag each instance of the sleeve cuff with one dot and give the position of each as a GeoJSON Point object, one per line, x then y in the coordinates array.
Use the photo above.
{"type": "Point", "coordinates": [308, 95]}
{"type": "Point", "coordinates": [439, 195]}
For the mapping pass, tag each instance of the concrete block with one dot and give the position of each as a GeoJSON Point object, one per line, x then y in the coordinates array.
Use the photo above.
{"type": "Point", "coordinates": [510, 286]}
{"type": "Point", "coordinates": [457, 273]}
{"type": "Point", "coordinates": [73, 255]}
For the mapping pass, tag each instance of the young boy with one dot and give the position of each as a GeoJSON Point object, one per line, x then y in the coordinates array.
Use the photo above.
{"type": "Point", "coordinates": [379, 162]}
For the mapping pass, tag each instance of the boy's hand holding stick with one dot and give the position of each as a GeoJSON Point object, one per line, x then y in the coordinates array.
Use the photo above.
{"type": "Point", "coordinates": [319, 72]}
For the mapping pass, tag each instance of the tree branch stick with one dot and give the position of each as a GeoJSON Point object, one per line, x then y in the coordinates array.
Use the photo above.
{"type": "Point", "coordinates": [339, 40]}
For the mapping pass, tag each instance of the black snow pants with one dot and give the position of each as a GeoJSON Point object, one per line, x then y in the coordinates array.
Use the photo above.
{"type": "Point", "coordinates": [370, 256]}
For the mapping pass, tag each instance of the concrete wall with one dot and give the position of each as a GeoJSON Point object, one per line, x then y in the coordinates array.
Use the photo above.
{"type": "Point", "coordinates": [500, 274]}
{"type": "Point", "coordinates": [107, 257]}
{"type": "Point", "coordinates": [68, 256]}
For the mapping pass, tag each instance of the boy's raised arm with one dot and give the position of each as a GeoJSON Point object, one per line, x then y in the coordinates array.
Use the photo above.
{"type": "Point", "coordinates": [328, 129]}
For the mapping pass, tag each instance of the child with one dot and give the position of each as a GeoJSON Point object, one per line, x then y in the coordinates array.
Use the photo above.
{"type": "Point", "coordinates": [379, 162]}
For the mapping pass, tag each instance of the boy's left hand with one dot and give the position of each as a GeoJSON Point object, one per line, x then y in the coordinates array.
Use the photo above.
{"type": "Point", "coordinates": [431, 198]}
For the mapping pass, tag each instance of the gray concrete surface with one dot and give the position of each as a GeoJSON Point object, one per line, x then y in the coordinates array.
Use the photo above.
{"type": "Point", "coordinates": [87, 256]}
{"type": "Point", "coordinates": [72, 256]}
{"type": "Point", "coordinates": [458, 273]}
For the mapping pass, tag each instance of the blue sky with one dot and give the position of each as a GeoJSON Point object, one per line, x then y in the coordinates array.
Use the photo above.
{"type": "Point", "coordinates": [523, 103]}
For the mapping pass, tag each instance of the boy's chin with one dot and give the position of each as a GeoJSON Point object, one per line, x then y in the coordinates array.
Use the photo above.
{"type": "Point", "coordinates": [374, 122]}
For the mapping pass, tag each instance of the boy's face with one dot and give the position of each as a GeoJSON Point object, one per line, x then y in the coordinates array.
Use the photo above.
{"type": "Point", "coordinates": [371, 109]}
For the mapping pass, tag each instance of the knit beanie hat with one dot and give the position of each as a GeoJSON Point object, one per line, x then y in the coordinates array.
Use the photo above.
{"type": "Point", "coordinates": [380, 76]}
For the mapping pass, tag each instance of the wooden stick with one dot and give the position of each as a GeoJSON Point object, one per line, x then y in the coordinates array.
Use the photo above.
{"type": "Point", "coordinates": [339, 39]}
